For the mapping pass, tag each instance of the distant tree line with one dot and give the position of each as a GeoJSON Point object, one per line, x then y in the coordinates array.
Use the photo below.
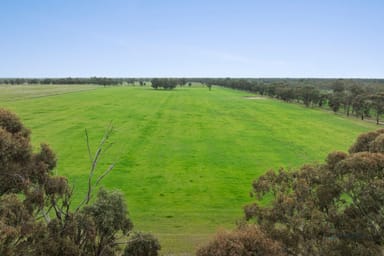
{"type": "Point", "coordinates": [319, 83]}
{"type": "Point", "coordinates": [166, 82]}
{"type": "Point", "coordinates": [359, 97]}
{"type": "Point", "coordinates": [71, 80]}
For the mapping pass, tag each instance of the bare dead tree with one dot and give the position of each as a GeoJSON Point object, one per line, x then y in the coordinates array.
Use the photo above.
{"type": "Point", "coordinates": [103, 147]}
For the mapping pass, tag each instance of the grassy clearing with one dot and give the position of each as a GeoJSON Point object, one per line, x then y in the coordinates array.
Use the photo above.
{"type": "Point", "coordinates": [186, 158]}
{"type": "Point", "coordinates": [22, 92]}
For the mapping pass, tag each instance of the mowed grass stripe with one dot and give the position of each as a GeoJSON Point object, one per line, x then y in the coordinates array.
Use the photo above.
{"type": "Point", "coordinates": [23, 92]}
{"type": "Point", "coordinates": [186, 158]}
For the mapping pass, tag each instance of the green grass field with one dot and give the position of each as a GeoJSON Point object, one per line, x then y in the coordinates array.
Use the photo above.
{"type": "Point", "coordinates": [22, 92]}
{"type": "Point", "coordinates": [185, 158]}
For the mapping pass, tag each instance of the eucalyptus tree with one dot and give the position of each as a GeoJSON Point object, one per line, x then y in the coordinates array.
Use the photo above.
{"type": "Point", "coordinates": [36, 217]}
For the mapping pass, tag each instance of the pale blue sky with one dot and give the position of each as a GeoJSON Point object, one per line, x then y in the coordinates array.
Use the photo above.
{"type": "Point", "coordinates": [195, 38]}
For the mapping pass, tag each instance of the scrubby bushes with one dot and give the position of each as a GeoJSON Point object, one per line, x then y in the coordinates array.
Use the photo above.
{"type": "Point", "coordinates": [336, 208]}
{"type": "Point", "coordinates": [247, 240]}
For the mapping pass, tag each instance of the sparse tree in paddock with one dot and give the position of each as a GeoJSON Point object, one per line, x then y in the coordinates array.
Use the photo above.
{"type": "Point", "coordinates": [165, 83]}
{"type": "Point", "coordinates": [155, 83]}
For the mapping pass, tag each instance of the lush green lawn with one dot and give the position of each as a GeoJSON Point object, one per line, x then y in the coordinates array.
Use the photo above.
{"type": "Point", "coordinates": [185, 158]}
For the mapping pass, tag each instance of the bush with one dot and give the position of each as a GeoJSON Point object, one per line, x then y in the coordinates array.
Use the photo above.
{"type": "Point", "coordinates": [247, 240]}
{"type": "Point", "coordinates": [142, 245]}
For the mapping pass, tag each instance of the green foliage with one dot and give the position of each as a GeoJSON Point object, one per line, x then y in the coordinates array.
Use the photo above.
{"type": "Point", "coordinates": [335, 101]}
{"type": "Point", "coordinates": [338, 86]}
{"type": "Point", "coordinates": [142, 244]}
{"type": "Point", "coordinates": [247, 240]}
{"type": "Point", "coordinates": [361, 105]}
{"type": "Point", "coordinates": [165, 83]}
{"type": "Point", "coordinates": [336, 208]}
{"type": "Point", "coordinates": [377, 102]}
{"type": "Point", "coordinates": [28, 190]}
{"type": "Point", "coordinates": [67, 80]}
{"type": "Point", "coordinates": [107, 218]}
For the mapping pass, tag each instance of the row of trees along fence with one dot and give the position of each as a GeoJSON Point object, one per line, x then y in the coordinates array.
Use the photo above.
{"type": "Point", "coordinates": [91, 80]}
{"type": "Point", "coordinates": [361, 98]}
